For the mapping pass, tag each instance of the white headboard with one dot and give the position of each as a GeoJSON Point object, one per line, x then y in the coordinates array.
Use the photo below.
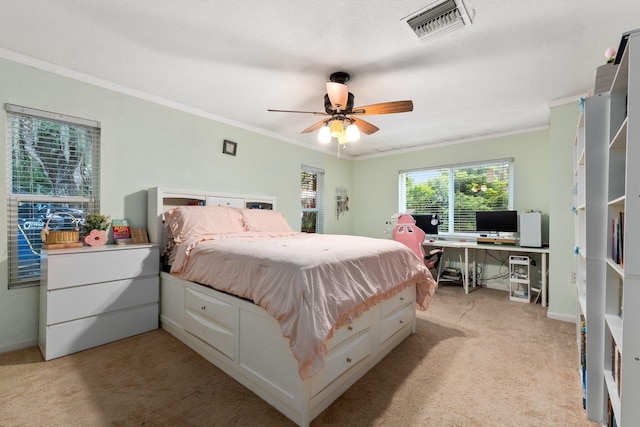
{"type": "Point", "coordinates": [160, 200]}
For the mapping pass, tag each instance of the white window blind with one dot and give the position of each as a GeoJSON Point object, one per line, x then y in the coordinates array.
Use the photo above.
{"type": "Point", "coordinates": [312, 199]}
{"type": "Point", "coordinates": [53, 169]}
{"type": "Point", "coordinates": [456, 192]}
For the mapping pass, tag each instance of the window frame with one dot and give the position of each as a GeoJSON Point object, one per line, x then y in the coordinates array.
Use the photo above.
{"type": "Point", "coordinates": [319, 199]}
{"type": "Point", "coordinates": [451, 188]}
{"type": "Point", "coordinates": [30, 207]}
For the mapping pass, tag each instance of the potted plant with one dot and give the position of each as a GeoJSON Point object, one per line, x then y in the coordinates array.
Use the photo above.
{"type": "Point", "coordinates": [96, 226]}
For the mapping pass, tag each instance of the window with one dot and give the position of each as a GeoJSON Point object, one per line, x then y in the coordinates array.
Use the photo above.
{"type": "Point", "coordinates": [53, 165]}
{"type": "Point", "coordinates": [457, 192]}
{"type": "Point", "coordinates": [312, 199]}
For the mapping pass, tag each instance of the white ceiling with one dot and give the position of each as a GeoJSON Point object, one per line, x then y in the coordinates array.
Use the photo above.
{"type": "Point", "coordinates": [233, 60]}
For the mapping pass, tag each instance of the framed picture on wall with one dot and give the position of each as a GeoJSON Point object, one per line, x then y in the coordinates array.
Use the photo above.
{"type": "Point", "coordinates": [229, 147]}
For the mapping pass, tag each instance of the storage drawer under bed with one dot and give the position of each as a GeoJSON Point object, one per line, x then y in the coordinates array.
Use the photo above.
{"type": "Point", "coordinates": [212, 320]}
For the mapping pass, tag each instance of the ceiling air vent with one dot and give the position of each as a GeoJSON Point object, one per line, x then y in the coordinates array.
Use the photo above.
{"type": "Point", "coordinates": [438, 19]}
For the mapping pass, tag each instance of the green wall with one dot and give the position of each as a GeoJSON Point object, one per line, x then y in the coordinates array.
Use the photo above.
{"type": "Point", "coordinates": [144, 145]}
{"type": "Point", "coordinates": [376, 180]}
{"type": "Point", "coordinates": [562, 296]}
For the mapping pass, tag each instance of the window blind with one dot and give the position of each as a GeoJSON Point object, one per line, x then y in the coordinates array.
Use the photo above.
{"type": "Point", "coordinates": [312, 199]}
{"type": "Point", "coordinates": [53, 169]}
{"type": "Point", "coordinates": [456, 192]}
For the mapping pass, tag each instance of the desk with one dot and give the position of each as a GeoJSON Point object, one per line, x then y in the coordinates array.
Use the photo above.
{"type": "Point", "coordinates": [544, 253]}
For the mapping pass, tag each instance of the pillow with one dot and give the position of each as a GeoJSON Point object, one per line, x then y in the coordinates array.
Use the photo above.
{"type": "Point", "coordinates": [192, 221]}
{"type": "Point", "coordinates": [265, 220]}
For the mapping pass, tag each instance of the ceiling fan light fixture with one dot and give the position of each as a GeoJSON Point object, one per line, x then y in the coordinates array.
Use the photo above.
{"type": "Point", "coordinates": [336, 128]}
{"type": "Point", "coordinates": [324, 135]}
{"type": "Point", "coordinates": [338, 94]}
{"type": "Point", "coordinates": [353, 133]}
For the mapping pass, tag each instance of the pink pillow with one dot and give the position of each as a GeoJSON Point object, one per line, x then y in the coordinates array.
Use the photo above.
{"type": "Point", "coordinates": [193, 221]}
{"type": "Point", "coordinates": [265, 220]}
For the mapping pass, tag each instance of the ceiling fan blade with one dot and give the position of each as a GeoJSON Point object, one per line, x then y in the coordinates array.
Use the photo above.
{"type": "Point", "coordinates": [314, 126]}
{"type": "Point", "coordinates": [317, 113]}
{"type": "Point", "coordinates": [338, 95]}
{"type": "Point", "coordinates": [384, 108]}
{"type": "Point", "coordinates": [365, 127]}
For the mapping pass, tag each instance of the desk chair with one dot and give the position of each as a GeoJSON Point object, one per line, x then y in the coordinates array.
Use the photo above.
{"type": "Point", "coordinates": [432, 261]}
{"type": "Point", "coordinates": [408, 233]}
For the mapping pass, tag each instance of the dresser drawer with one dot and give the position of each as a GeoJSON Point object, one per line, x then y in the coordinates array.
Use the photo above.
{"type": "Point", "coordinates": [347, 332]}
{"type": "Point", "coordinates": [75, 268]}
{"type": "Point", "coordinates": [89, 300]}
{"type": "Point", "coordinates": [215, 335]}
{"type": "Point", "coordinates": [211, 308]}
{"type": "Point", "coordinates": [341, 360]}
{"type": "Point", "coordinates": [395, 322]}
{"type": "Point", "coordinates": [407, 296]}
{"type": "Point", "coordinates": [81, 334]}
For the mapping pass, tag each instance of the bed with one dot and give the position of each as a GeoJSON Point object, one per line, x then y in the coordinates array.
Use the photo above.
{"type": "Point", "coordinates": [296, 318]}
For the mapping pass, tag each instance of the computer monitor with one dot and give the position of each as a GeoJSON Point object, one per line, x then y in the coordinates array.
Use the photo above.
{"type": "Point", "coordinates": [427, 223]}
{"type": "Point", "coordinates": [497, 221]}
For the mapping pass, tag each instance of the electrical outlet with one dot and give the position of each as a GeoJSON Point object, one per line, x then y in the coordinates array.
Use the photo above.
{"type": "Point", "coordinates": [573, 277]}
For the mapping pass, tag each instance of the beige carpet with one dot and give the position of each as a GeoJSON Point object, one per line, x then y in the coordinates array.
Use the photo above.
{"type": "Point", "coordinates": [476, 360]}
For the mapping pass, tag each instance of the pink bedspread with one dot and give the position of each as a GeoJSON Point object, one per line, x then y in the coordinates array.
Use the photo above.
{"type": "Point", "coordinates": [310, 283]}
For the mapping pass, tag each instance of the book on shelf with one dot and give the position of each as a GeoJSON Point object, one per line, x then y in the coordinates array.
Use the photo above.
{"type": "Point", "coordinates": [616, 365]}
{"type": "Point", "coordinates": [617, 239]}
{"type": "Point", "coordinates": [121, 231]}
{"type": "Point", "coordinates": [620, 297]}
{"type": "Point", "coordinates": [583, 342]}
{"type": "Point", "coordinates": [611, 416]}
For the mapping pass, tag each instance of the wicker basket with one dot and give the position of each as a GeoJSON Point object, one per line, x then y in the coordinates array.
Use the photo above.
{"type": "Point", "coordinates": [60, 236]}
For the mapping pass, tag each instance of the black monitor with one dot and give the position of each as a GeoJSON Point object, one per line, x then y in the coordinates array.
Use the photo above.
{"type": "Point", "coordinates": [427, 223]}
{"type": "Point", "coordinates": [497, 221]}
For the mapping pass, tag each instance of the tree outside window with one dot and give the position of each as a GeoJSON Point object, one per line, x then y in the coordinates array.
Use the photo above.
{"type": "Point", "coordinates": [312, 199]}
{"type": "Point", "coordinates": [53, 173]}
{"type": "Point", "coordinates": [457, 192]}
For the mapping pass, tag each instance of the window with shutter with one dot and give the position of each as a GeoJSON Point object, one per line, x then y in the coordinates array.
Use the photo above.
{"type": "Point", "coordinates": [456, 192]}
{"type": "Point", "coordinates": [53, 165]}
{"type": "Point", "coordinates": [312, 199]}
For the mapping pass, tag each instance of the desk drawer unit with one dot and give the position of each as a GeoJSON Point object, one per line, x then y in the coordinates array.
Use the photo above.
{"type": "Point", "coordinates": [94, 295]}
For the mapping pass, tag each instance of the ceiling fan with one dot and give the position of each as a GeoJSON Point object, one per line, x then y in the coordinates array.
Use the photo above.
{"type": "Point", "coordinates": [341, 120]}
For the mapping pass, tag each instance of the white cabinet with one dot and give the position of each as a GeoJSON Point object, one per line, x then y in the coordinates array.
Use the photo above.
{"type": "Point", "coordinates": [608, 267]}
{"type": "Point", "coordinates": [92, 296]}
{"type": "Point", "coordinates": [519, 279]}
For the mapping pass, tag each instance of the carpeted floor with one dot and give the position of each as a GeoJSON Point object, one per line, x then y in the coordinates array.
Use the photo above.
{"type": "Point", "coordinates": [476, 360]}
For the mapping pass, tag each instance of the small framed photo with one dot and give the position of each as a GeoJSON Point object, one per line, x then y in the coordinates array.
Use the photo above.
{"type": "Point", "coordinates": [229, 147]}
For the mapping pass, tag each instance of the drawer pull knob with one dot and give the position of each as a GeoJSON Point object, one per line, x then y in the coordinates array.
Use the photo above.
{"type": "Point", "coordinates": [350, 328]}
{"type": "Point", "coordinates": [204, 307]}
{"type": "Point", "coordinates": [401, 298]}
{"type": "Point", "coordinates": [401, 322]}
{"type": "Point", "coordinates": [348, 360]}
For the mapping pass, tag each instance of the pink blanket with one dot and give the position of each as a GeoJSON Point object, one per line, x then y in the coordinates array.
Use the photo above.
{"type": "Point", "coordinates": [312, 284]}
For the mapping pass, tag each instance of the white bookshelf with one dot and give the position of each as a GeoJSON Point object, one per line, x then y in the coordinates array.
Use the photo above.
{"type": "Point", "coordinates": [608, 273]}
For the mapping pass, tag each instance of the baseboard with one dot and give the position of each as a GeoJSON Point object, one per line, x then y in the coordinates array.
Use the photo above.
{"type": "Point", "coordinates": [6, 348]}
{"type": "Point", "coordinates": [561, 316]}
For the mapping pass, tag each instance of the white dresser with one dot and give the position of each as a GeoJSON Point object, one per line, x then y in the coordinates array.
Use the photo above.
{"type": "Point", "coordinates": [94, 295]}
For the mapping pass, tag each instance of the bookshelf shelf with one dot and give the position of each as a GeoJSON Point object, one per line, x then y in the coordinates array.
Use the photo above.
{"type": "Point", "coordinates": [608, 258]}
